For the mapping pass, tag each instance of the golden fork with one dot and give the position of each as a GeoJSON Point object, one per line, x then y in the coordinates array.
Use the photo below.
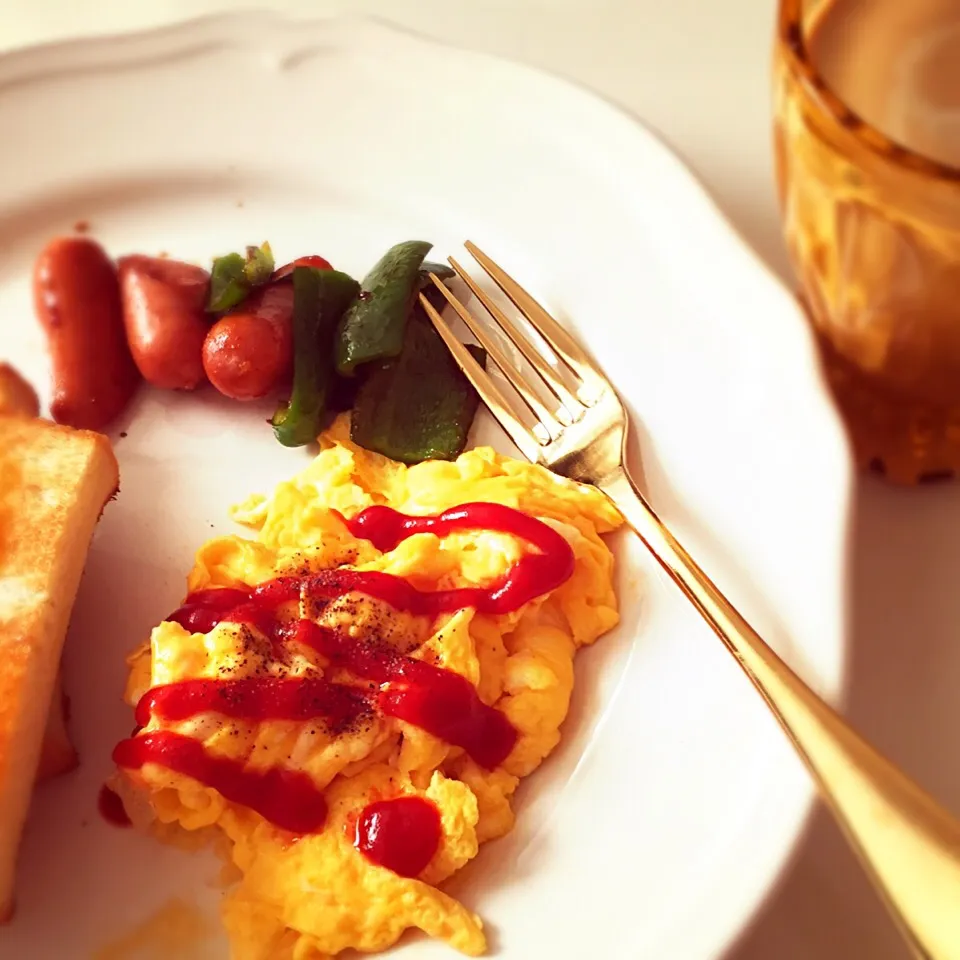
{"type": "Point", "coordinates": [908, 844]}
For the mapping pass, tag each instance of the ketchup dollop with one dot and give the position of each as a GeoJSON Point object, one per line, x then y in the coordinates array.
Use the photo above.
{"type": "Point", "coordinates": [439, 701]}
{"type": "Point", "coordinates": [401, 834]}
{"type": "Point", "coordinates": [111, 808]}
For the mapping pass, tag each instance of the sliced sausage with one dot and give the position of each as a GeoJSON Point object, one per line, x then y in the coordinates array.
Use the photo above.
{"type": "Point", "coordinates": [249, 352]}
{"type": "Point", "coordinates": [77, 299]}
{"type": "Point", "coordinates": [163, 310]}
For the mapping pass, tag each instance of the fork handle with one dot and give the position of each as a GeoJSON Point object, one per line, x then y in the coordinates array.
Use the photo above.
{"type": "Point", "coordinates": [908, 844]}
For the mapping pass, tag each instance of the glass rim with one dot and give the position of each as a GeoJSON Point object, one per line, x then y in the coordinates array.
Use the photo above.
{"type": "Point", "coordinates": [790, 34]}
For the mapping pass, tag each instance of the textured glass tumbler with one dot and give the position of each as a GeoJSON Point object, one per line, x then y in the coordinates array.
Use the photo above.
{"type": "Point", "coordinates": [873, 231]}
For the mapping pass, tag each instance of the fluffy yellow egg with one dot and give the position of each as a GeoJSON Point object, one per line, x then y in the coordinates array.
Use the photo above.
{"type": "Point", "coordinates": [315, 895]}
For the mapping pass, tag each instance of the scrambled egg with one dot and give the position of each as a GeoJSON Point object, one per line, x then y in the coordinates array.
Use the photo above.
{"type": "Point", "coordinates": [311, 898]}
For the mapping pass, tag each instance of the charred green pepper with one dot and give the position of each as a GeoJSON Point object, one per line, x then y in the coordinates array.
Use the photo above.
{"type": "Point", "coordinates": [419, 405]}
{"type": "Point", "coordinates": [442, 271]}
{"type": "Point", "coordinates": [373, 328]}
{"type": "Point", "coordinates": [320, 298]}
{"type": "Point", "coordinates": [427, 287]}
{"type": "Point", "coordinates": [233, 277]}
{"type": "Point", "coordinates": [343, 392]}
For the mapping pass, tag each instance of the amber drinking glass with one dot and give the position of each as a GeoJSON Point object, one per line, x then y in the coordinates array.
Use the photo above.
{"type": "Point", "coordinates": [867, 136]}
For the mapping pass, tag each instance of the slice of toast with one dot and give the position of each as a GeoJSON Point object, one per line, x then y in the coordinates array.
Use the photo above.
{"type": "Point", "coordinates": [58, 755]}
{"type": "Point", "coordinates": [54, 482]}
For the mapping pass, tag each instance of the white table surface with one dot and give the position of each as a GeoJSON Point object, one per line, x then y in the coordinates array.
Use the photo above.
{"type": "Point", "coordinates": [698, 72]}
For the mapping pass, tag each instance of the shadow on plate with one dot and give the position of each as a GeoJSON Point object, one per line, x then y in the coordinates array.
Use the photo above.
{"type": "Point", "coordinates": [902, 694]}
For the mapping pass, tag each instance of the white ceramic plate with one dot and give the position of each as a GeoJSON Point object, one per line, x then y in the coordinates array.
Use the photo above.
{"type": "Point", "coordinates": [673, 802]}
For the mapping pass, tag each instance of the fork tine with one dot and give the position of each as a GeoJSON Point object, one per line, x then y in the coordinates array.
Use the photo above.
{"type": "Point", "coordinates": [551, 331]}
{"type": "Point", "coordinates": [489, 392]}
{"type": "Point", "coordinates": [549, 421]}
{"type": "Point", "coordinates": [573, 406]}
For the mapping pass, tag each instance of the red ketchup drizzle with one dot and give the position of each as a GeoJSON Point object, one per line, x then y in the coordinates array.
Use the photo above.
{"type": "Point", "coordinates": [400, 834]}
{"type": "Point", "coordinates": [111, 808]}
{"type": "Point", "coordinates": [436, 700]}
{"type": "Point", "coordinates": [254, 698]}
{"type": "Point", "coordinates": [439, 701]}
{"type": "Point", "coordinates": [532, 576]}
{"type": "Point", "coordinates": [203, 610]}
{"type": "Point", "coordinates": [287, 798]}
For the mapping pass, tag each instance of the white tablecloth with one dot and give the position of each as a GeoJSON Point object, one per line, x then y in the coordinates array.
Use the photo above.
{"type": "Point", "coordinates": [698, 72]}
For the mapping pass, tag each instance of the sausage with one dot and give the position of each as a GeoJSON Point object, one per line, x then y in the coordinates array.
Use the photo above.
{"type": "Point", "coordinates": [249, 351]}
{"type": "Point", "coordinates": [163, 311]}
{"type": "Point", "coordinates": [17, 397]}
{"type": "Point", "coordinates": [77, 300]}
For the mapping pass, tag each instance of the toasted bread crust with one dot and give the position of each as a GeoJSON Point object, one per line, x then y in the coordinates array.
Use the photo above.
{"type": "Point", "coordinates": [58, 755]}
{"type": "Point", "coordinates": [54, 482]}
